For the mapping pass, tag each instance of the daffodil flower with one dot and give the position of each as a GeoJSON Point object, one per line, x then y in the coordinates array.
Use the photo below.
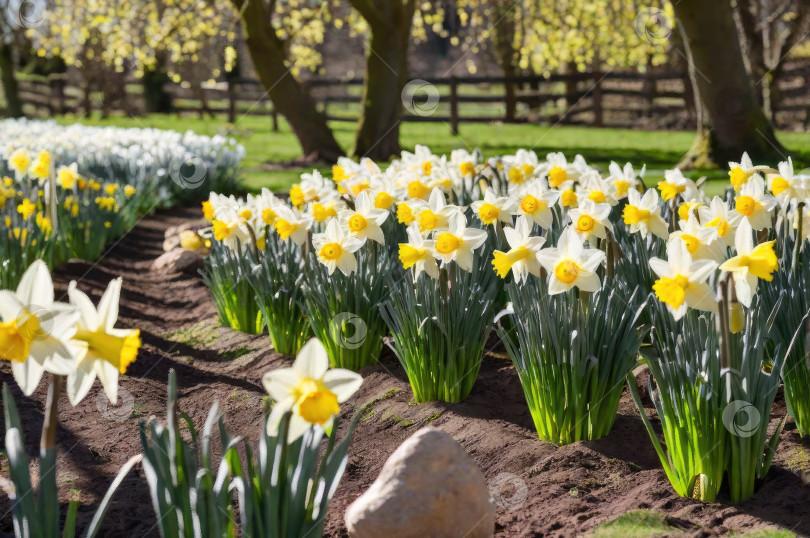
{"type": "Point", "coordinates": [493, 208]}
{"type": "Point", "coordinates": [740, 172]}
{"type": "Point", "coordinates": [750, 264]}
{"type": "Point", "coordinates": [436, 215]}
{"type": "Point", "coordinates": [591, 219]}
{"type": "Point", "coordinates": [676, 184]}
{"type": "Point", "coordinates": [624, 179]}
{"type": "Point", "coordinates": [570, 264]}
{"type": "Point", "coordinates": [702, 242]}
{"type": "Point", "coordinates": [312, 391]}
{"type": "Point", "coordinates": [753, 204]}
{"type": "Point", "coordinates": [418, 253]}
{"type": "Point", "coordinates": [336, 250]}
{"type": "Point", "coordinates": [682, 282]}
{"type": "Point", "coordinates": [101, 350]}
{"type": "Point", "coordinates": [458, 243]}
{"type": "Point", "coordinates": [717, 215]}
{"type": "Point", "coordinates": [597, 189]}
{"type": "Point", "coordinates": [34, 330]}
{"type": "Point", "coordinates": [536, 202]}
{"type": "Point", "coordinates": [643, 215]}
{"type": "Point", "coordinates": [522, 256]}
{"type": "Point", "coordinates": [365, 221]}
{"type": "Point", "coordinates": [785, 185]}
{"type": "Point", "coordinates": [291, 224]}
{"type": "Point", "coordinates": [20, 162]}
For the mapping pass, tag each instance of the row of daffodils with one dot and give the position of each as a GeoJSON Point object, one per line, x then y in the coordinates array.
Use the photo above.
{"type": "Point", "coordinates": [169, 165]}
{"type": "Point", "coordinates": [581, 273]}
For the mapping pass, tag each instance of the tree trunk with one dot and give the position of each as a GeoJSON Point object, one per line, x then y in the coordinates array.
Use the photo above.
{"type": "Point", "coordinates": [9, 81]}
{"type": "Point", "coordinates": [267, 51]}
{"type": "Point", "coordinates": [731, 120]}
{"type": "Point", "coordinates": [505, 49]}
{"type": "Point", "coordinates": [377, 135]}
{"type": "Point", "coordinates": [156, 99]}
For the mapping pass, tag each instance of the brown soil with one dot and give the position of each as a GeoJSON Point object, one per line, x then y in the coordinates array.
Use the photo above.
{"type": "Point", "coordinates": [568, 489]}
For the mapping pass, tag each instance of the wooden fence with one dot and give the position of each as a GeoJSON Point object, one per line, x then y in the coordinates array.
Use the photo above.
{"type": "Point", "coordinates": [613, 99]}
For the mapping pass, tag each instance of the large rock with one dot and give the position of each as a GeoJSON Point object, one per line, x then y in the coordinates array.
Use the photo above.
{"type": "Point", "coordinates": [429, 487]}
{"type": "Point", "coordinates": [179, 260]}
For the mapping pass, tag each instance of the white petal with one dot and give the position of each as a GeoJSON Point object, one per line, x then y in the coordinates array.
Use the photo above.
{"type": "Point", "coordinates": [80, 300]}
{"type": "Point", "coordinates": [80, 381]}
{"type": "Point", "coordinates": [108, 306]}
{"type": "Point", "coordinates": [588, 282]}
{"type": "Point", "coordinates": [108, 375]}
{"type": "Point", "coordinates": [10, 306]}
{"type": "Point", "coordinates": [312, 361]}
{"type": "Point", "coordinates": [36, 286]}
{"type": "Point", "coordinates": [27, 375]}
{"type": "Point", "coordinates": [280, 383]}
{"type": "Point", "coordinates": [344, 383]}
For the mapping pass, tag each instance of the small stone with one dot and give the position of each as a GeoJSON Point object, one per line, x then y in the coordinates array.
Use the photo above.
{"type": "Point", "coordinates": [171, 243]}
{"type": "Point", "coordinates": [178, 260]}
{"type": "Point", "coordinates": [428, 487]}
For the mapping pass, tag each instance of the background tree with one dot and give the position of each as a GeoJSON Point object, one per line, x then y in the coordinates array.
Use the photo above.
{"type": "Point", "coordinates": [730, 119]}
{"type": "Point", "coordinates": [772, 32]}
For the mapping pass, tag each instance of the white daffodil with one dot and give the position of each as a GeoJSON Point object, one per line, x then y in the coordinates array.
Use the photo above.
{"type": "Point", "coordinates": [231, 227]}
{"type": "Point", "coordinates": [717, 215]}
{"type": "Point", "coordinates": [436, 215]}
{"type": "Point", "coordinates": [418, 253]}
{"type": "Point", "coordinates": [365, 221]}
{"type": "Point", "coordinates": [101, 349]}
{"type": "Point", "coordinates": [34, 329]}
{"type": "Point", "coordinates": [336, 250]}
{"type": "Point", "coordinates": [754, 205]}
{"type": "Point", "coordinates": [682, 282]}
{"type": "Point", "coordinates": [676, 184]}
{"type": "Point", "coordinates": [464, 162]}
{"type": "Point", "coordinates": [521, 167]}
{"type": "Point", "coordinates": [750, 263]}
{"type": "Point", "coordinates": [536, 202]}
{"type": "Point", "coordinates": [571, 264]}
{"type": "Point", "coordinates": [522, 256]}
{"type": "Point", "coordinates": [458, 243]}
{"type": "Point", "coordinates": [740, 172]}
{"type": "Point", "coordinates": [643, 214]}
{"type": "Point", "coordinates": [591, 219]}
{"type": "Point", "coordinates": [559, 172]}
{"type": "Point", "coordinates": [494, 208]}
{"type": "Point", "coordinates": [624, 179]}
{"type": "Point", "coordinates": [310, 389]}
{"type": "Point", "coordinates": [702, 242]}
{"type": "Point", "coordinates": [291, 224]}
{"type": "Point", "coordinates": [598, 190]}
{"type": "Point", "coordinates": [785, 185]}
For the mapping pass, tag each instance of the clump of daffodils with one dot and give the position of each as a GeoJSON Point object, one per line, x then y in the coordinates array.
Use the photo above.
{"type": "Point", "coordinates": [76, 341]}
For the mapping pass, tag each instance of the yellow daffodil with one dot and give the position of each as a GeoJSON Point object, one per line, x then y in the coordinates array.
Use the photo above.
{"type": "Point", "coordinates": [750, 264]}
{"type": "Point", "coordinates": [34, 330]}
{"type": "Point", "coordinates": [418, 253]}
{"type": "Point", "coordinates": [521, 258]}
{"type": "Point", "coordinates": [570, 264]}
{"type": "Point", "coordinates": [310, 390]}
{"type": "Point", "coordinates": [682, 282]}
{"type": "Point", "coordinates": [335, 249]}
{"type": "Point", "coordinates": [101, 350]}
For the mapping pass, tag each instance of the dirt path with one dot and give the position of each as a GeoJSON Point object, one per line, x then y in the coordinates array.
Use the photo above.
{"type": "Point", "coordinates": [547, 491]}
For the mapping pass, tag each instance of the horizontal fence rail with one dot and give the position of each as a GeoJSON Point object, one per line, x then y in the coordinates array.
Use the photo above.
{"type": "Point", "coordinates": [612, 99]}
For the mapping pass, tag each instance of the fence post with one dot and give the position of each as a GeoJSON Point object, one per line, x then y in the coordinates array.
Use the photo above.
{"type": "Point", "coordinates": [231, 101]}
{"type": "Point", "coordinates": [275, 119]}
{"type": "Point", "coordinates": [596, 95]}
{"type": "Point", "coordinates": [453, 105]}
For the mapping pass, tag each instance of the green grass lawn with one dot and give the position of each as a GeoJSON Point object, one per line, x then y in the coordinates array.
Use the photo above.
{"type": "Point", "coordinates": [267, 150]}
